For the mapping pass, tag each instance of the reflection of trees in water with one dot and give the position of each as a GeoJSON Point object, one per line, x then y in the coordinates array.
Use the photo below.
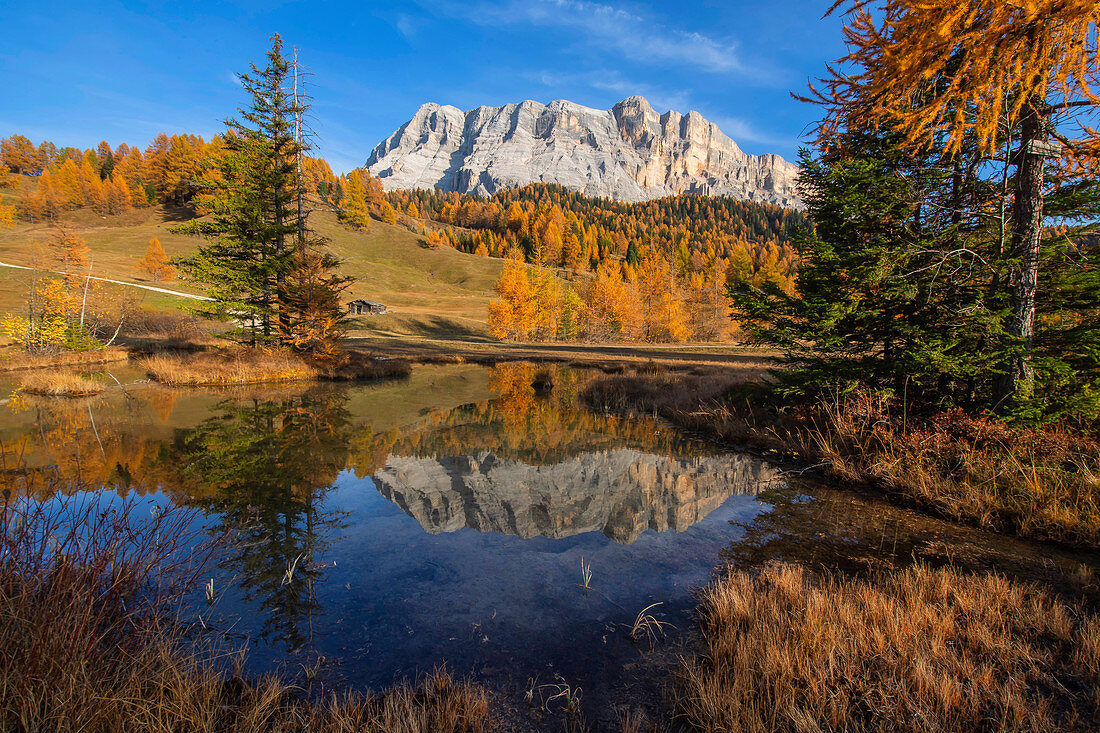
{"type": "Point", "coordinates": [260, 463]}
{"type": "Point", "coordinates": [72, 445]}
{"type": "Point", "coordinates": [521, 424]}
{"type": "Point", "coordinates": [263, 469]}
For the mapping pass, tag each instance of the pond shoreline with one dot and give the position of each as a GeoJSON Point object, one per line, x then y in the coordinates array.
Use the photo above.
{"type": "Point", "coordinates": [823, 533]}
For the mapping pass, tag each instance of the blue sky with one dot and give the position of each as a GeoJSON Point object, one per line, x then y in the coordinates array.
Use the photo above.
{"type": "Point", "coordinates": [80, 72]}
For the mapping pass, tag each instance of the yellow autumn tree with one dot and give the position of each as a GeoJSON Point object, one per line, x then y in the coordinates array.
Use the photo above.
{"type": "Point", "coordinates": [516, 219]}
{"type": "Point", "coordinates": [435, 239]}
{"type": "Point", "coordinates": [388, 213]}
{"type": "Point", "coordinates": [546, 303]}
{"type": "Point", "coordinates": [46, 201]}
{"type": "Point", "coordinates": [707, 308]}
{"type": "Point", "coordinates": [155, 262]}
{"type": "Point", "coordinates": [662, 311]}
{"type": "Point", "coordinates": [942, 72]}
{"type": "Point", "coordinates": [512, 315]}
{"type": "Point", "coordinates": [55, 304]}
{"type": "Point", "coordinates": [412, 210]}
{"type": "Point", "coordinates": [18, 154]}
{"type": "Point", "coordinates": [356, 211]}
{"type": "Point", "coordinates": [117, 196]}
{"type": "Point", "coordinates": [610, 306]}
{"type": "Point", "coordinates": [69, 255]}
{"type": "Point", "coordinates": [7, 213]}
{"type": "Point", "coordinates": [69, 252]}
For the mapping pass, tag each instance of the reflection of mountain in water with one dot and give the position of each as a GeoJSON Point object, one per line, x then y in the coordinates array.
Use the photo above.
{"type": "Point", "coordinates": [620, 492]}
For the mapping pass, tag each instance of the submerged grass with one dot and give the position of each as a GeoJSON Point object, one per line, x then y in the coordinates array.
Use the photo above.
{"type": "Point", "coordinates": [60, 384]}
{"type": "Point", "coordinates": [18, 359]}
{"type": "Point", "coordinates": [916, 650]}
{"type": "Point", "coordinates": [88, 594]}
{"type": "Point", "coordinates": [1037, 483]}
{"type": "Point", "coordinates": [352, 366]}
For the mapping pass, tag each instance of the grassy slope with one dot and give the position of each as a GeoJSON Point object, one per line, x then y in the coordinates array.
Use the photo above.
{"type": "Point", "coordinates": [434, 293]}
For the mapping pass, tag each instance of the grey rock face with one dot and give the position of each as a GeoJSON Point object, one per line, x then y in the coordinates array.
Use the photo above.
{"type": "Point", "coordinates": [620, 492]}
{"type": "Point", "coordinates": [628, 153]}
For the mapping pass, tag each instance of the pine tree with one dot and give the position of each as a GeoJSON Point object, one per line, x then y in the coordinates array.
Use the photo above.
{"type": "Point", "coordinates": [1067, 338]}
{"type": "Point", "coordinates": [311, 315]}
{"type": "Point", "coordinates": [252, 208]}
{"type": "Point", "coordinates": [946, 74]}
{"type": "Point", "coordinates": [877, 303]}
{"type": "Point", "coordinates": [632, 257]}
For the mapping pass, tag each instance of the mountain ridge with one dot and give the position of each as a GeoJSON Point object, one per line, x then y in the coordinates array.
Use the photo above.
{"type": "Point", "coordinates": [628, 152]}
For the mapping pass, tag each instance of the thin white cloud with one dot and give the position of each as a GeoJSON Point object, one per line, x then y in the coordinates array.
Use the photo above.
{"type": "Point", "coordinates": [612, 81]}
{"type": "Point", "coordinates": [741, 130]}
{"type": "Point", "coordinates": [632, 36]}
{"type": "Point", "coordinates": [406, 25]}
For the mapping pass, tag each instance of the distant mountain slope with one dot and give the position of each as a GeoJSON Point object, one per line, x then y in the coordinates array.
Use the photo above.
{"type": "Point", "coordinates": [628, 153]}
{"type": "Point", "coordinates": [435, 292]}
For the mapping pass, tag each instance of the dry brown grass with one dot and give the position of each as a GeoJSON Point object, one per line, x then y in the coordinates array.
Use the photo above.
{"type": "Point", "coordinates": [1043, 484]}
{"type": "Point", "coordinates": [257, 366]}
{"type": "Point", "coordinates": [87, 594]}
{"type": "Point", "coordinates": [1038, 483]}
{"type": "Point", "coordinates": [238, 366]}
{"type": "Point", "coordinates": [60, 384]}
{"type": "Point", "coordinates": [917, 650]}
{"type": "Point", "coordinates": [16, 359]}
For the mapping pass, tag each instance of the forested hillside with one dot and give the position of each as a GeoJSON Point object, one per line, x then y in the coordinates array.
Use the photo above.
{"type": "Point", "coordinates": [556, 226]}
{"type": "Point", "coordinates": [597, 269]}
{"type": "Point", "coordinates": [171, 170]}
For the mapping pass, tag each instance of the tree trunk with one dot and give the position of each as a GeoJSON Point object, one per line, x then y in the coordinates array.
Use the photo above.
{"type": "Point", "coordinates": [1018, 377]}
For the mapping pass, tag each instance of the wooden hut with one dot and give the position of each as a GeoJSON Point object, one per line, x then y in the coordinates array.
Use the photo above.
{"type": "Point", "coordinates": [365, 308]}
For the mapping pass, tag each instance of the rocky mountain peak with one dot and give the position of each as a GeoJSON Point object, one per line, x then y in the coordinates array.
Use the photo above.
{"type": "Point", "coordinates": [628, 152]}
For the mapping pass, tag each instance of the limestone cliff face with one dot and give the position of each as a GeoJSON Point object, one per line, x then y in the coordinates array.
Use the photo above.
{"type": "Point", "coordinates": [621, 492]}
{"type": "Point", "coordinates": [628, 153]}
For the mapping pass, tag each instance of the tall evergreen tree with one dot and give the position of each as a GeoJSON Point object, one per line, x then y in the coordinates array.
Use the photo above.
{"type": "Point", "coordinates": [263, 266]}
{"type": "Point", "coordinates": [252, 207]}
{"type": "Point", "coordinates": [891, 291]}
{"type": "Point", "coordinates": [1013, 72]}
{"type": "Point", "coordinates": [1067, 338]}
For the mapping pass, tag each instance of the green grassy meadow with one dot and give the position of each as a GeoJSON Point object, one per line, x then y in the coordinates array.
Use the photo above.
{"type": "Point", "coordinates": [433, 293]}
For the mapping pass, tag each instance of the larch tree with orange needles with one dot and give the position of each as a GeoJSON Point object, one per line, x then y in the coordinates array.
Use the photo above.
{"type": "Point", "coordinates": [7, 213]}
{"type": "Point", "coordinates": [155, 262]}
{"type": "Point", "coordinates": [512, 315]}
{"type": "Point", "coordinates": [1016, 78]}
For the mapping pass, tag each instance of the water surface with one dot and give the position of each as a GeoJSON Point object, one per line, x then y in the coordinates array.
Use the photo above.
{"type": "Point", "coordinates": [386, 529]}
